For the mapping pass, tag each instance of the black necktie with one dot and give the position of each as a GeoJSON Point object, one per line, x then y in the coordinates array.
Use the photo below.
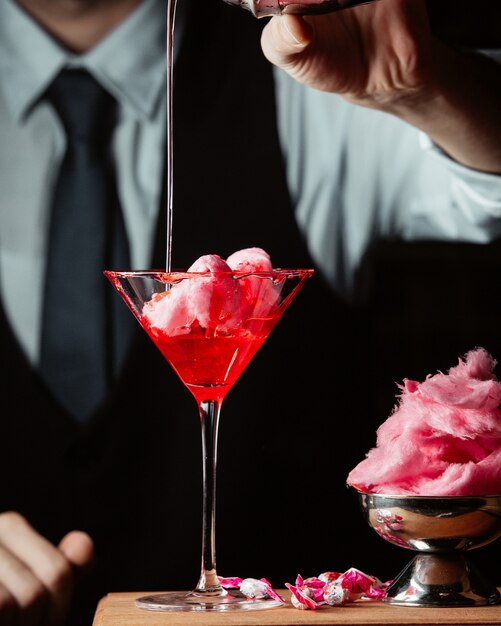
{"type": "Point", "coordinates": [81, 346]}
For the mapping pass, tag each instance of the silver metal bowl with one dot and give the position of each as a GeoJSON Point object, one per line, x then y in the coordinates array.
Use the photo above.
{"type": "Point", "coordinates": [441, 530]}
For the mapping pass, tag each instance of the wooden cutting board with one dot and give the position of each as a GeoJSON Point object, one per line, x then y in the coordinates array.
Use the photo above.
{"type": "Point", "coordinates": [117, 609]}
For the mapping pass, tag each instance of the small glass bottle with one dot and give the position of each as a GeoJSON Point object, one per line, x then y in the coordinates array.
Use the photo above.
{"type": "Point", "coordinates": [266, 8]}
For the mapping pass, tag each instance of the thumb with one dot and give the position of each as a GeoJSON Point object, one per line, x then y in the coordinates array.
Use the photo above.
{"type": "Point", "coordinates": [285, 38]}
{"type": "Point", "coordinates": [78, 548]}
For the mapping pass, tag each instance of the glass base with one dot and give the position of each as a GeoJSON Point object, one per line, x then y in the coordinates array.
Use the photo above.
{"type": "Point", "coordinates": [230, 600]}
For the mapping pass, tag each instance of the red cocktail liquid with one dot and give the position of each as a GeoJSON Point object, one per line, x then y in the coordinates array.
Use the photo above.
{"type": "Point", "coordinates": [207, 361]}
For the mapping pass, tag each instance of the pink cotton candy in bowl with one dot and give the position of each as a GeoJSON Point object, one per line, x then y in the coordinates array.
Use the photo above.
{"type": "Point", "coordinates": [442, 439]}
{"type": "Point", "coordinates": [431, 484]}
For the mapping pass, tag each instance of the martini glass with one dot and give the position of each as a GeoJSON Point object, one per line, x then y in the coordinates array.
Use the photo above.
{"type": "Point", "coordinates": [208, 326]}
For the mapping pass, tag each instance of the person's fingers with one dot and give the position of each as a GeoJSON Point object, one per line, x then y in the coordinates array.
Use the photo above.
{"type": "Point", "coordinates": [36, 573]}
{"type": "Point", "coordinates": [23, 588]}
{"type": "Point", "coordinates": [284, 38]}
{"type": "Point", "coordinates": [78, 548]}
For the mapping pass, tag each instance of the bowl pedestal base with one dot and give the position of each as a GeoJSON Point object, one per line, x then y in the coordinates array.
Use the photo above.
{"type": "Point", "coordinates": [441, 579]}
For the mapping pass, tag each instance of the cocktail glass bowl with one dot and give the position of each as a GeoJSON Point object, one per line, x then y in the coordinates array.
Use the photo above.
{"type": "Point", "coordinates": [441, 530]}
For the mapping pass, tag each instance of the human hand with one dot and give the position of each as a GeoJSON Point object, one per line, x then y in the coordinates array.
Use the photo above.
{"type": "Point", "coordinates": [384, 56]}
{"type": "Point", "coordinates": [370, 55]}
{"type": "Point", "coordinates": [36, 577]}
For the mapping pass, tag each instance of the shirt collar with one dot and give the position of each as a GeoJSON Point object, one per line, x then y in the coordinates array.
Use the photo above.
{"type": "Point", "coordinates": [129, 62]}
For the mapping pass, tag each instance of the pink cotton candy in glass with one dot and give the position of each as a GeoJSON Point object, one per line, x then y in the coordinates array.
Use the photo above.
{"type": "Point", "coordinates": [250, 260]}
{"type": "Point", "coordinates": [262, 295]}
{"type": "Point", "coordinates": [216, 302]}
{"type": "Point", "coordinates": [211, 302]}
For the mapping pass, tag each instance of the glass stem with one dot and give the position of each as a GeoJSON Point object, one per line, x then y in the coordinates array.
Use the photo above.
{"type": "Point", "coordinates": [209, 419]}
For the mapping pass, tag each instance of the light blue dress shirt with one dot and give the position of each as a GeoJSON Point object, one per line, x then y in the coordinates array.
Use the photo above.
{"type": "Point", "coordinates": [354, 174]}
{"type": "Point", "coordinates": [357, 175]}
{"type": "Point", "coordinates": [131, 64]}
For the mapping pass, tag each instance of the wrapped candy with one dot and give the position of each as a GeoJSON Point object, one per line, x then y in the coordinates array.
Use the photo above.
{"type": "Point", "coordinates": [301, 597]}
{"type": "Point", "coordinates": [252, 588]}
{"type": "Point", "coordinates": [259, 588]}
{"type": "Point", "coordinates": [327, 589]}
{"type": "Point", "coordinates": [335, 589]}
{"type": "Point", "coordinates": [336, 595]}
{"type": "Point", "coordinates": [314, 586]}
{"type": "Point", "coordinates": [361, 585]}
